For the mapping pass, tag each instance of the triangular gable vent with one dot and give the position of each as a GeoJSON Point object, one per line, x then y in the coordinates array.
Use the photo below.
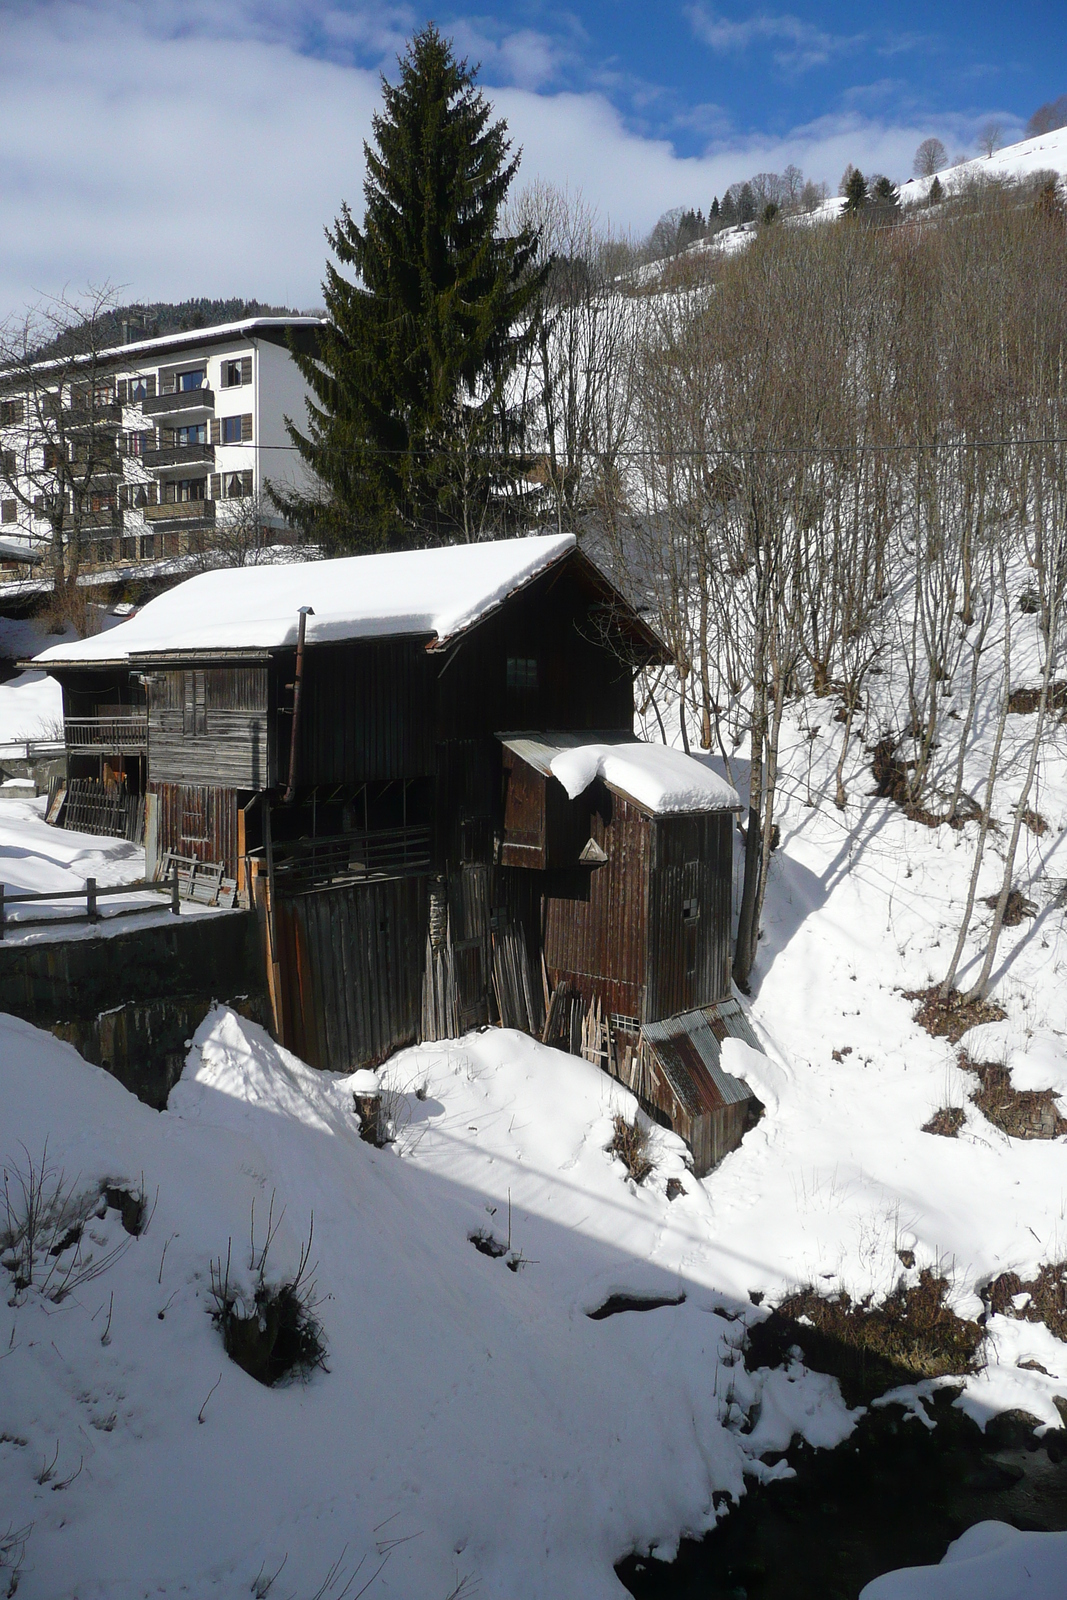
{"type": "Point", "coordinates": [593, 855]}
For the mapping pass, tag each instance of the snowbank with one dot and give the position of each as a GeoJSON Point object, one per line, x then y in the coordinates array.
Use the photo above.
{"type": "Point", "coordinates": [474, 1423]}
{"type": "Point", "coordinates": [991, 1561]}
{"type": "Point", "coordinates": [659, 778]}
{"type": "Point", "coordinates": [31, 707]}
{"type": "Point", "coordinates": [436, 592]}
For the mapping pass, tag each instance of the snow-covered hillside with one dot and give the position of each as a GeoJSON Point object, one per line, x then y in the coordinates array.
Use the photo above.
{"type": "Point", "coordinates": [476, 1430]}
{"type": "Point", "coordinates": [1045, 153]}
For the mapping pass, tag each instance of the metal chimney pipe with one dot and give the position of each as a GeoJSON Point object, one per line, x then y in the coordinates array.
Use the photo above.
{"type": "Point", "coordinates": [298, 682]}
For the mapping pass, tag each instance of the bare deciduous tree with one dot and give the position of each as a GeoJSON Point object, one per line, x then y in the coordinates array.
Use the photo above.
{"type": "Point", "coordinates": [60, 426]}
{"type": "Point", "coordinates": [930, 157]}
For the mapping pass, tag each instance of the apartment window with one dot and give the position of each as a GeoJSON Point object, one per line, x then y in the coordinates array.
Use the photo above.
{"type": "Point", "coordinates": [195, 433]}
{"type": "Point", "coordinates": [522, 672]}
{"type": "Point", "coordinates": [53, 457]}
{"type": "Point", "coordinates": [238, 485]}
{"type": "Point", "coordinates": [10, 411]}
{"type": "Point", "coordinates": [189, 489]}
{"type": "Point", "coordinates": [237, 430]}
{"type": "Point", "coordinates": [142, 389]}
{"type": "Point", "coordinates": [9, 511]}
{"type": "Point", "coordinates": [235, 374]}
{"type": "Point", "coordinates": [101, 502]}
{"type": "Point", "coordinates": [193, 380]}
{"type": "Point", "coordinates": [148, 546]}
{"type": "Point", "coordinates": [143, 497]}
{"type": "Point", "coordinates": [134, 445]}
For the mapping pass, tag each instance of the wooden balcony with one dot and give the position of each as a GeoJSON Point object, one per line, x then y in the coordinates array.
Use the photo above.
{"type": "Point", "coordinates": [180, 455]}
{"type": "Point", "coordinates": [186, 405]}
{"type": "Point", "coordinates": [115, 735]}
{"type": "Point", "coordinates": [182, 511]}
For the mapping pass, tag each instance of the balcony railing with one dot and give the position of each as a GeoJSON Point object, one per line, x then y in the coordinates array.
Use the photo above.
{"type": "Point", "coordinates": [179, 455]}
{"type": "Point", "coordinates": [181, 403]}
{"type": "Point", "coordinates": [342, 858]}
{"type": "Point", "coordinates": [116, 734]}
{"type": "Point", "coordinates": [181, 511]}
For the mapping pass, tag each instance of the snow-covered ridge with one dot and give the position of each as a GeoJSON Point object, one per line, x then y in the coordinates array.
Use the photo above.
{"type": "Point", "coordinates": [1047, 152]}
{"type": "Point", "coordinates": [437, 592]}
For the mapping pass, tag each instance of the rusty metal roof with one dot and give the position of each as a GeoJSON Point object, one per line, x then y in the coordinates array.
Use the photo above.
{"type": "Point", "coordinates": [688, 1048]}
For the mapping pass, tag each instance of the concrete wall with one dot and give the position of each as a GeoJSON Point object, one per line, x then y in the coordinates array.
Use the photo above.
{"type": "Point", "coordinates": [129, 1002]}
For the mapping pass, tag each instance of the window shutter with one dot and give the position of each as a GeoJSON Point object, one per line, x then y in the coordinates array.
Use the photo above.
{"type": "Point", "coordinates": [246, 369]}
{"type": "Point", "coordinates": [216, 431]}
{"type": "Point", "coordinates": [10, 466]}
{"type": "Point", "coordinates": [216, 478]}
{"type": "Point", "coordinates": [246, 428]}
{"type": "Point", "coordinates": [120, 391]}
{"type": "Point", "coordinates": [10, 511]}
{"type": "Point", "coordinates": [166, 380]}
{"type": "Point", "coordinates": [150, 491]}
{"type": "Point", "coordinates": [124, 497]}
{"type": "Point", "coordinates": [246, 480]}
{"type": "Point", "coordinates": [150, 387]}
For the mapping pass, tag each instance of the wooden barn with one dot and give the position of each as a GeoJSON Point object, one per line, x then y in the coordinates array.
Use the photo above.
{"type": "Point", "coordinates": [420, 770]}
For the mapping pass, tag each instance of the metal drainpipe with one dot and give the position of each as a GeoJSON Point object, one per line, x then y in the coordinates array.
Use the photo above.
{"type": "Point", "coordinates": [298, 683]}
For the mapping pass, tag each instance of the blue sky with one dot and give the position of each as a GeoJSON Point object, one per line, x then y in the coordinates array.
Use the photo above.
{"type": "Point", "coordinates": [184, 147]}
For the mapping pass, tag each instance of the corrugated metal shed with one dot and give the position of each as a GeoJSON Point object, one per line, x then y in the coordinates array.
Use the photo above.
{"type": "Point", "coordinates": [709, 1107]}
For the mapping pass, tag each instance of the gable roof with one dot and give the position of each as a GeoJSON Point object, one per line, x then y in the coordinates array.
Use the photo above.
{"type": "Point", "coordinates": [437, 594]}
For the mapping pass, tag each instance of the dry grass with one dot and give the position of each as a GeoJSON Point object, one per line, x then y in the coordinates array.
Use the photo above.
{"type": "Point", "coordinates": [1020, 1113]}
{"type": "Point", "coordinates": [1023, 702]}
{"type": "Point", "coordinates": [1016, 908]}
{"type": "Point", "coordinates": [948, 1016]}
{"type": "Point", "coordinates": [947, 1122]}
{"type": "Point", "coordinates": [629, 1141]}
{"type": "Point", "coordinates": [1047, 1302]}
{"type": "Point", "coordinates": [869, 1347]}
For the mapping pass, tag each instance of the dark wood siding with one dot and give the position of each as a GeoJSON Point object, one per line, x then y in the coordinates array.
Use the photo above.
{"type": "Point", "coordinates": [199, 820]}
{"type": "Point", "coordinates": [351, 961]}
{"type": "Point", "coordinates": [581, 682]}
{"type": "Point", "coordinates": [596, 919]}
{"type": "Point", "coordinates": [688, 913]}
{"type": "Point", "coordinates": [209, 724]}
{"type": "Point", "coordinates": [367, 712]}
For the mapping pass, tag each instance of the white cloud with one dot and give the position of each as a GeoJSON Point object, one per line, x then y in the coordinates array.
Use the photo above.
{"type": "Point", "coordinates": [208, 161]}
{"type": "Point", "coordinates": [802, 44]}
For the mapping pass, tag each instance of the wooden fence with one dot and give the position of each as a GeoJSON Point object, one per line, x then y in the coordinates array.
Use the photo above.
{"type": "Point", "coordinates": [90, 892]}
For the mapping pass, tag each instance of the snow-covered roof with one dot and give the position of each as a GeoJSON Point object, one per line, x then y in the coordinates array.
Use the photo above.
{"type": "Point", "coordinates": [437, 593]}
{"type": "Point", "coordinates": [656, 777]}
{"type": "Point", "coordinates": [138, 350]}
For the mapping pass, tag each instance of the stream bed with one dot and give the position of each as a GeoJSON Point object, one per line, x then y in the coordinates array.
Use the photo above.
{"type": "Point", "coordinates": [894, 1494]}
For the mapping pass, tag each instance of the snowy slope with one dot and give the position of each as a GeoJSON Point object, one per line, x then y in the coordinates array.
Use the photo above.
{"type": "Point", "coordinates": [1045, 153]}
{"type": "Point", "coordinates": [474, 1423]}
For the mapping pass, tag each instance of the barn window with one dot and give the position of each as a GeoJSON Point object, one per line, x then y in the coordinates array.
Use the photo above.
{"type": "Point", "coordinates": [522, 672]}
{"type": "Point", "coordinates": [691, 910]}
{"type": "Point", "coordinates": [194, 710]}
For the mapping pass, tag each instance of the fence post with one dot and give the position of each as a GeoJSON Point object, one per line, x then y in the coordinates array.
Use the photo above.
{"type": "Point", "coordinates": [2, 912]}
{"type": "Point", "coordinates": [90, 899]}
{"type": "Point", "coordinates": [174, 906]}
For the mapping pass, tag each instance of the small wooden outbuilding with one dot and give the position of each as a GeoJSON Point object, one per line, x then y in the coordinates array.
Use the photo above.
{"type": "Point", "coordinates": [334, 740]}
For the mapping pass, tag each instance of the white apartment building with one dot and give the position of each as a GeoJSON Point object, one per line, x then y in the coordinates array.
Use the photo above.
{"type": "Point", "coordinates": [188, 429]}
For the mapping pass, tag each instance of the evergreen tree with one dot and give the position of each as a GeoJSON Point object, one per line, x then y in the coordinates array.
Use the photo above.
{"type": "Point", "coordinates": [936, 193]}
{"type": "Point", "coordinates": [746, 204]}
{"type": "Point", "coordinates": [854, 189]}
{"type": "Point", "coordinates": [411, 431]}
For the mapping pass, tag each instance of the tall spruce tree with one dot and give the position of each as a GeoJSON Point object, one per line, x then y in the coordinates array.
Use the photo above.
{"type": "Point", "coordinates": [411, 430]}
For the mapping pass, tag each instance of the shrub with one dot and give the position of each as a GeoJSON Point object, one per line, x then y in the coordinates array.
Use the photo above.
{"type": "Point", "coordinates": [629, 1141]}
{"type": "Point", "coordinates": [271, 1332]}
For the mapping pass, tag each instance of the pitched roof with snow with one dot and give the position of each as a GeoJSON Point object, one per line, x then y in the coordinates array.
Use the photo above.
{"type": "Point", "coordinates": [656, 777]}
{"type": "Point", "coordinates": [436, 593]}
